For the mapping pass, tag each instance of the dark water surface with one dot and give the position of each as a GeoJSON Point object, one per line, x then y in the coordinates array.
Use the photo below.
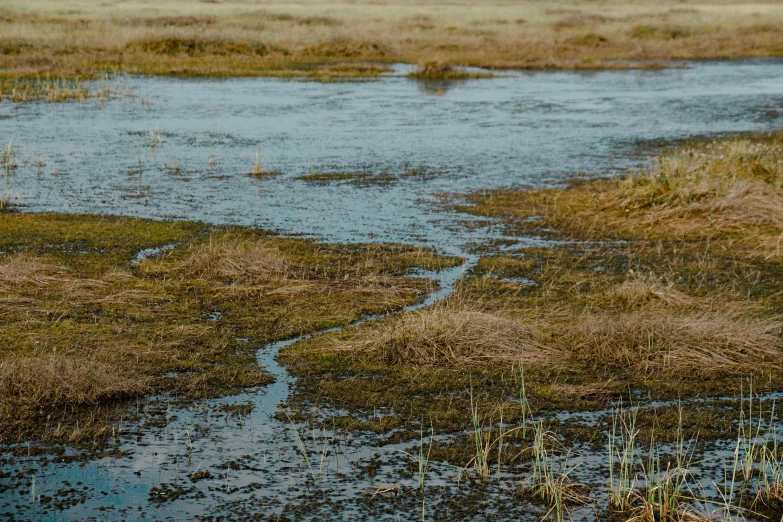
{"type": "Point", "coordinates": [409, 143]}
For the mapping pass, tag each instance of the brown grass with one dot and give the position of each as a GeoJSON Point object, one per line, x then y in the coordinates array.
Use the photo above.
{"type": "Point", "coordinates": [233, 259]}
{"type": "Point", "coordinates": [240, 38]}
{"type": "Point", "coordinates": [657, 339]}
{"type": "Point", "coordinates": [729, 189]}
{"type": "Point", "coordinates": [732, 184]}
{"type": "Point", "coordinates": [44, 381]}
{"type": "Point", "coordinates": [443, 71]}
{"type": "Point", "coordinates": [701, 342]}
{"type": "Point", "coordinates": [23, 269]}
{"type": "Point", "coordinates": [447, 336]}
{"type": "Point", "coordinates": [53, 90]}
{"type": "Point", "coordinates": [636, 293]}
{"type": "Point", "coordinates": [83, 331]}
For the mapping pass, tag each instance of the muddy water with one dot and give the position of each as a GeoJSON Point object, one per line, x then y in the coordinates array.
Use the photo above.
{"type": "Point", "coordinates": [183, 149]}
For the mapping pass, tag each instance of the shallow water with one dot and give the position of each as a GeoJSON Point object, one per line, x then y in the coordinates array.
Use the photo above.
{"type": "Point", "coordinates": [519, 130]}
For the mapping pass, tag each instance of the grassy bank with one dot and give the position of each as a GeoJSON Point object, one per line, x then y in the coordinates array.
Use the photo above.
{"type": "Point", "coordinates": [339, 40]}
{"type": "Point", "coordinates": [85, 328]}
{"type": "Point", "coordinates": [662, 291]}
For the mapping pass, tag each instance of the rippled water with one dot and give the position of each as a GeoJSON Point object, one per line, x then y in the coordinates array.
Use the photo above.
{"type": "Point", "coordinates": [519, 130]}
{"type": "Point", "coordinates": [183, 149]}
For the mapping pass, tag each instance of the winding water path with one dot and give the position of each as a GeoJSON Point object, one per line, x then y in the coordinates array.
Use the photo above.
{"type": "Point", "coordinates": [183, 148]}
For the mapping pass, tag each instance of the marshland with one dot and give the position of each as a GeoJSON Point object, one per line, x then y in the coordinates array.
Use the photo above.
{"type": "Point", "coordinates": [391, 261]}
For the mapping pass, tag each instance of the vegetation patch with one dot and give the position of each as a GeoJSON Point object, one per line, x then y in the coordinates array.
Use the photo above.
{"type": "Point", "coordinates": [199, 46]}
{"type": "Point", "coordinates": [652, 322]}
{"type": "Point", "coordinates": [384, 177]}
{"type": "Point", "coordinates": [54, 90]}
{"type": "Point", "coordinates": [444, 71]}
{"type": "Point", "coordinates": [88, 324]}
{"type": "Point", "coordinates": [306, 39]}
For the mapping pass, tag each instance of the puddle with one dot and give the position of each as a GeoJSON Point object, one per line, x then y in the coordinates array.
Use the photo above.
{"type": "Point", "coordinates": [148, 253]}
{"type": "Point", "coordinates": [190, 148]}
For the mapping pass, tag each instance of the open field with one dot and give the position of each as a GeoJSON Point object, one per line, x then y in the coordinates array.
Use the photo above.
{"type": "Point", "coordinates": [332, 39]}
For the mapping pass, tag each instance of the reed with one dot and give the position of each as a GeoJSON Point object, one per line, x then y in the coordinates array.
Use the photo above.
{"type": "Point", "coordinates": [9, 163]}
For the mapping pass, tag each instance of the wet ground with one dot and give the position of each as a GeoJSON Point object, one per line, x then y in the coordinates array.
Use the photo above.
{"type": "Point", "coordinates": [184, 149]}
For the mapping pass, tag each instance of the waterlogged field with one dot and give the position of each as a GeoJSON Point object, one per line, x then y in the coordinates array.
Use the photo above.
{"type": "Point", "coordinates": [552, 295]}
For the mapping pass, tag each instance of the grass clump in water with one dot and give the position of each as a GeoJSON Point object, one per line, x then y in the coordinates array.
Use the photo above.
{"type": "Point", "coordinates": [52, 90]}
{"type": "Point", "coordinates": [444, 71]}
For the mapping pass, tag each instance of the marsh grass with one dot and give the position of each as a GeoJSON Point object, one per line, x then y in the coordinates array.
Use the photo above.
{"type": "Point", "coordinates": [444, 71]}
{"type": "Point", "coordinates": [452, 335]}
{"type": "Point", "coordinates": [154, 139]}
{"type": "Point", "coordinates": [303, 450]}
{"type": "Point", "coordinates": [675, 300]}
{"type": "Point", "coordinates": [727, 190]}
{"type": "Point", "coordinates": [8, 164]}
{"type": "Point", "coordinates": [682, 292]}
{"type": "Point", "coordinates": [656, 488]}
{"type": "Point", "coordinates": [669, 484]}
{"type": "Point", "coordinates": [85, 329]}
{"type": "Point", "coordinates": [53, 89]}
{"type": "Point", "coordinates": [326, 177]}
{"type": "Point", "coordinates": [43, 381]}
{"type": "Point", "coordinates": [670, 341]}
{"type": "Point", "coordinates": [259, 168]}
{"type": "Point", "coordinates": [551, 477]}
{"type": "Point", "coordinates": [234, 259]}
{"type": "Point", "coordinates": [306, 38]}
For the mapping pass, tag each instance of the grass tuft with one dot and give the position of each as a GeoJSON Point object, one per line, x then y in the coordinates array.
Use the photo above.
{"type": "Point", "coordinates": [44, 381]}
{"type": "Point", "coordinates": [233, 259]}
{"type": "Point", "coordinates": [446, 336]}
{"type": "Point", "coordinates": [444, 71]}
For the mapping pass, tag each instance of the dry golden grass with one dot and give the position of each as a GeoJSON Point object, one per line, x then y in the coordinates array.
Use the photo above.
{"type": "Point", "coordinates": [40, 382]}
{"type": "Point", "coordinates": [51, 90]}
{"type": "Point", "coordinates": [729, 190]}
{"type": "Point", "coordinates": [699, 343]}
{"type": "Point", "coordinates": [233, 259]}
{"type": "Point", "coordinates": [636, 293]}
{"type": "Point", "coordinates": [446, 336]}
{"type": "Point", "coordinates": [656, 338]}
{"type": "Point", "coordinates": [643, 511]}
{"type": "Point", "coordinates": [732, 184]}
{"type": "Point", "coordinates": [233, 37]}
{"type": "Point", "coordinates": [23, 269]}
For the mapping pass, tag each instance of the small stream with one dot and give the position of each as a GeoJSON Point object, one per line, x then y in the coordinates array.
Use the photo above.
{"type": "Point", "coordinates": [261, 461]}
{"type": "Point", "coordinates": [183, 149]}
